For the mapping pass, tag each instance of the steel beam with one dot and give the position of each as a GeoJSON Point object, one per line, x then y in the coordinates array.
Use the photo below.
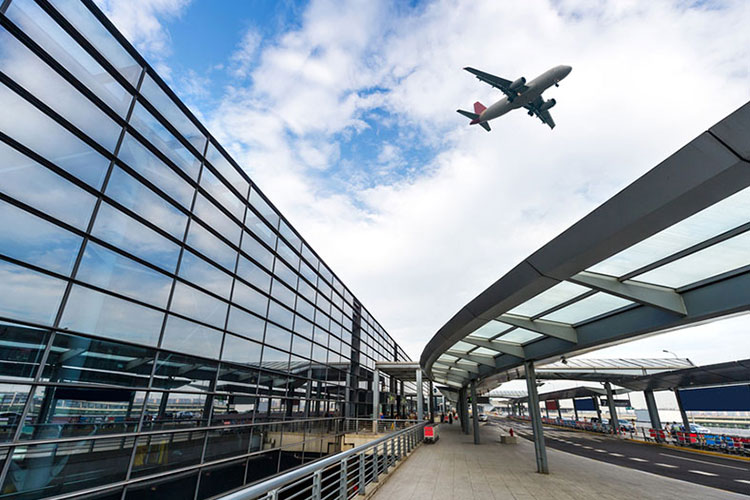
{"type": "Point", "coordinates": [499, 346]}
{"type": "Point", "coordinates": [479, 359]}
{"type": "Point", "coordinates": [536, 419]}
{"type": "Point", "coordinates": [550, 328]}
{"type": "Point", "coordinates": [643, 293]}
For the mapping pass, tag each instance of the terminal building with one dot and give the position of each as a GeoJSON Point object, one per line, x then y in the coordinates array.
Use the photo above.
{"type": "Point", "coordinates": [164, 331]}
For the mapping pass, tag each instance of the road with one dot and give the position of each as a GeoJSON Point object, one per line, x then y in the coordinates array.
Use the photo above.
{"type": "Point", "coordinates": [717, 472]}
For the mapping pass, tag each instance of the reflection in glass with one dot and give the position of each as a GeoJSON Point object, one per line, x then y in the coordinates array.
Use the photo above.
{"type": "Point", "coordinates": [12, 401]}
{"type": "Point", "coordinates": [264, 209]}
{"type": "Point", "coordinates": [198, 271]}
{"type": "Point", "coordinates": [216, 219]}
{"type": "Point", "coordinates": [31, 73]}
{"type": "Point", "coordinates": [109, 270]}
{"type": "Point", "coordinates": [252, 273]}
{"type": "Point", "coordinates": [93, 312]}
{"type": "Point", "coordinates": [226, 169]}
{"type": "Point", "coordinates": [176, 371]}
{"type": "Point", "coordinates": [260, 229]}
{"type": "Point", "coordinates": [219, 191]}
{"type": "Point", "coordinates": [221, 478]}
{"type": "Point", "coordinates": [250, 299]}
{"type": "Point", "coordinates": [174, 486]}
{"type": "Point", "coordinates": [21, 349]}
{"type": "Point", "coordinates": [35, 185]}
{"type": "Point", "coordinates": [143, 161]}
{"type": "Point", "coordinates": [130, 193]}
{"type": "Point", "coordinates": [185, 336]}
{"type": "Point", "coordinates": [195, 304]}
{"type": "Point", "coordinates": [239, 350]}
{"type": "Point", "coordinates": [277, 337]}
{"type": "Point", "coordinates": [246, 324]}
{"type": "Point", "coordinates": [163, 452]}
{"type": "Point", "coordinates": [128, 234]}
{"type": "Point", "coordinates": [209, 245]}
{"type": "Point", "coordinates": [35, 297]}
{"type": "Point", "coordinates": [280, 315]}
{"type": "Point", "coordinates": [257, 251]}
{"type": "Point", "coordinates": [29, 126]}
{"type": "Point", "coordinates": [283, 294]}
{"type": "Point", "coordinates": [28, 238]}
{"type": "Point", "coordinates": [174, 410]}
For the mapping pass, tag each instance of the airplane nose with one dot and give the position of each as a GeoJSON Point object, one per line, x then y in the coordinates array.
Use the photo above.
{"type": "Point", "coordinates": [567, 70]}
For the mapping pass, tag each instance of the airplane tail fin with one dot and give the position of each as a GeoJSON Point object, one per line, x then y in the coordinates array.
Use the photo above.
{"type": "Point", "coordinates": [479, 107]}
{"type": "Point", "coordinates": [474, 117]}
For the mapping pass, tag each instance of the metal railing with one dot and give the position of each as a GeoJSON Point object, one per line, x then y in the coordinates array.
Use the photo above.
{"type": "Point", "coordinates": [385, 425]}
{"type": "Point", "coordinates": [341, 476]}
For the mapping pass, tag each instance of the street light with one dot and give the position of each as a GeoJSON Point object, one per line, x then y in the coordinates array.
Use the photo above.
{"type": "Point", "coordinates": [670, 352]}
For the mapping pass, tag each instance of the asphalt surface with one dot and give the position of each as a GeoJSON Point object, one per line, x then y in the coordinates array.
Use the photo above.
{"type": "Point", "coordinates": [717, 472]}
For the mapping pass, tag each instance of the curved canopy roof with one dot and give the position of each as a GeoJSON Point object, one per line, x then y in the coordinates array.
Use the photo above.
{"type": "Point", "coordinates": [670, 250]}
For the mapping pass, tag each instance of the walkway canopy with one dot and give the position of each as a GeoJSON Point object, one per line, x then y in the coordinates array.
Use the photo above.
{"type": "Point", "coordinates": [670, 250]}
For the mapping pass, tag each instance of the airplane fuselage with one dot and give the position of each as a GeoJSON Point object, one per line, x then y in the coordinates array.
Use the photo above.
{"type": "Point", "coordinates": [535, 88]}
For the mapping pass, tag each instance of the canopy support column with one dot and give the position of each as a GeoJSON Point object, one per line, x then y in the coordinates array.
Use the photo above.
{"type": "Point", "coordinates": [431, 403]}
{"type": "Point", "coordinates": [375, 400]}
{"type": "Point", "coordinates": [536, 419]}
{"type": "Point", "coordinates": [474, 411]}
{"type": "Point", "coordinates": [683, 413]}
{"type": "Point", "coordinates": [420, 396]}
{"type": "Point", "coordinates": [653, 411]}
{"type": "Point", "coordinates": [614, 423]}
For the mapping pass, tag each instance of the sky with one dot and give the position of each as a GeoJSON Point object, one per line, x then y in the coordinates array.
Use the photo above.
{"type": "Point", "coordinates": [344, 114]}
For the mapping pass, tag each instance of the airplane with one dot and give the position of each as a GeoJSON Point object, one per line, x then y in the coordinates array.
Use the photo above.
{"type": "Point", "coordinates": [518, 94]}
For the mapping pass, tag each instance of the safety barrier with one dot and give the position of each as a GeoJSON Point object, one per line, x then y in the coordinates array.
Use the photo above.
{"type": "Point", "coordinates": [715, 442]}
{"type": "Point", "coordinates": [341, 476]}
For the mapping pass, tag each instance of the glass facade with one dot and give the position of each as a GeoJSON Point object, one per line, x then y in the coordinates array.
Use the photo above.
{"type": "Point", "coordinates": [164, 331]}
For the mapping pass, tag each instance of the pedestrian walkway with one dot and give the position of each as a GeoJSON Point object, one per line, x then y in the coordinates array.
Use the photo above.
{"type": "Point", "coordinates": [455, 468]}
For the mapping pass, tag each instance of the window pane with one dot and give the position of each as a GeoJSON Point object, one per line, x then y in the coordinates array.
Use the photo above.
{"type": "Point", "coordinates": [169, 110]}
{"type": "Point", "coordinates": [21, 350]}
{"type": "Point", "coordinates": [35, 185]}
{"type": "Point", "coordinates": [283, 294]}
{"type": "Point", "coordinates": [85, 22]}
{"type": "Point", "coordinates": [278, 337]}
{"type": "Point", "coordinates": [216, 219]}
{"type": "Point", "coordinates": [20, 64]}
{"type": "Point", "coordinates": [177, 410]}
{"type": "Point", "coordinates": [55, 41]}
{"type": "Point", "coordinates": [177, 450]}
{"type": "Point", "coordinates": [143, 161]}
{"type": "Point", "coordinates": [130, 235]}
{"type": "Point", "coordinates": [280, 315]}
{"type": "Point", "coordinates": [195, 304]}
{"type": "Point", "coordinates": [112, 271]}
{"type": "Point", "coordinates": [93, 312]}
{"type": "Point", "coordinates": [209, 245]}
{"type": "Point", "coordinates": [28, 295]}
{"type": "Point", "coordinates": [219, 191]}
{"type": "Point", "coordinates": [246, 324]}
{"type": "Point", "coordinates": [285, 273]}
{"type": "Point", "coordinates": [260, 229]}
{"type": "Point", "coordinates": [126, 190]}
{"type": "Point", "coordinates": [226, 170]}
{"type": "Point", "coordinates": [562, 292]}
{"type": "Point", "coordinates": [264, 209]}
{"type": "Point", "coordinates": [31, 239]}
{"type": "Point", "coordinates": [286, 253]}
{"type": "Point", "coordinates": [164, 141]}
{"type": "Point", "coordinates": [239, 350]}
{"type": "Point", "coordinates": [11, 408]}
{"type": "Point", "coordinates": [32, 128]}
{"type": "Point", "coordinates": [587, 308]}
{"type": "Point", "coordinates": [254, 274]}
{"type": "Point", "coordinates": [257, 251]}
{"type": "Point", "coordinates": [177, 371]}
{"type": "Point", "coordinates": [290, 236]}
{"type": "Point", "coordinates": [203, 274]}
{"type": "Point", "coordinates": [191, 338]}
{"type": "Point", "coordinates": [250, 299]}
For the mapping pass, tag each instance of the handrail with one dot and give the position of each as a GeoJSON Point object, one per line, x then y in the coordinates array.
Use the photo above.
{"type": "Point", "coordinates": [311, 469]}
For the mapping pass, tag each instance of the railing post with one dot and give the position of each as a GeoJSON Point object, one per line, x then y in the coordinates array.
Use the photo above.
{"type": "Point", "coordinates": [361, 478]}
{"type": "Point", "coordinates": [399, 445]}
{"type": "Point", "coordinates": [272, 495]}
{"type": "Point", "coordinates": [316, 485]}
{"type": "Point", "coordinates": [344, 480]}
{"type": "Point", "coordinates": [375, 472]}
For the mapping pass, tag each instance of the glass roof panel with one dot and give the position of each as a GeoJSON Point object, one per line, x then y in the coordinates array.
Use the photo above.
{"type": "Point", "coordinates": [520, 336]}
{"type": "Point", "coordinates": [490, 329]}
{"type": "Point", "coordinates": [484, 351]}
{"type": "Point", "coordinates": [716, 259]}
{"type": "Point", "coordinates": [462, 347]}
{"type": "Point", "coordinates": [562, 292]}
{"type": "Point", "coordinates": [714, 220]}
{"type": "Point", "coordinates": [597, 304]}
{"type": "Point", "coordinates": [447, 358]}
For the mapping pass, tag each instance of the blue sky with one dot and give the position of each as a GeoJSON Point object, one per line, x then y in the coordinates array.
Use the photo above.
{"type": "Point", "coordinates": [344, 114]}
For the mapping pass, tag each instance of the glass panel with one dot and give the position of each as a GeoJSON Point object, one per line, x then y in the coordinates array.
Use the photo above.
{"type": "Point", "coordinates": [277, 337]}
{"type": "Point", "coordinates": [31, 73]}
{"type": "Point", "coordinates": [114, 272]}
{"type": "Point", "coordinates": [173, 114]}
{"type": "Point", "coordinates": [165, 452]}
{"type": "Point", "coordinates": [164, 141]}
{"type": "Point", "coordinates": [94, 312]}
{"type": "Point", "coordinates": [301, 347]}
{"type": "Point", "coordinates": [21, 350]}
{"type": "Point", "coordinates": [712, 221]}
{"type": "Point", "coordinates": [82, 360]}
{"type": "Point", "coordinates": [587, 308]}
{"type": "Point", "coordinates": [47, 468]}
{"type": "Point", "coordinates": [191, 338]}
{"type": "Point", "coordinates": [250, 299]}
{"type": "Point", "coordinates": [195, 304]}
{"type": "Point", "coordinates": [28, 295]}
{"type": "Point", "coordinates": [239, 350]}
{"type": "Point", "coordinates": [85, 22]}
{"type": "Point", "coordinates": [280, 315]}
{"type": "Point", "coordinates": [35, 185]}
{"type": "Point", "coordinates": [128, 234]}
{"type": "Point", "coordinates": [286, 253]}
{"type": "Point", "coordinates": [126, 190]}
{"type": "Point", "coordinates": [283, 294]}
{"type": "Point", "coordinates": [216, 219]}
{"type": "Point", "coordinates": [490, 330]}
{"type": "Point", "coordinates": [260, 229]}
{"type": "Point", "coordinates": [12, 400]}
{"type": "Point", "coordinates": [203, 274]}
{"type": "Point", "coordinates": [143, 161]}
{"type": "Point", "coordinates": [230, 442]}
{"type": "Point", "coordinates": [302, 326]}
{"type": "Point", "coordinates": [264, 209]}
{"type": "Point", "coordinates": [717, 259]}
{"type": "Point", "coordinates": [253, 274]}
{"type": "Point", "coordinates": [213, 248]}
{"type": "Point", "coordinates": [30, 239]}
{"type": "Point", "coordinates": [257, 251]}
{"type": "Point", "coordinates": [226, 169]}
{"type": "Point", "coordinates": [224, 196]}
{"type": "Point", "coordinates": [274, 359]}
{"type": "Point", "coordinates": [520, 336]}
{"type": "Point", "coordinates": [562, 292]}
{"type": "Point", "coordinates": [221, 478]}
{"type": "Point", "coordinates": [290, 236]}
{"type": "Point", "coordinates": [56, 42]}
{"type": "Point", "coordinates": [286, 274]}
{"type": "Point", "coordinates": [32, 128]}
{"type": "Point", "coordinates": [175, 371]}
{"type": "Point", "coordinates": [246, 324]}
{"type": "Point", "coordinates": [82, 411]}
{"type": "Point", "coordinates": [172, 486]}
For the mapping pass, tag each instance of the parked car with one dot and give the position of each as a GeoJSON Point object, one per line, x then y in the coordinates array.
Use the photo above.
{"type": "Point", "coordinates": [483, 417]}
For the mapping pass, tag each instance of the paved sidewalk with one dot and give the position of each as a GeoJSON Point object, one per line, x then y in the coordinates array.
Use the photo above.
{"type": "Point", "coordinates": [455, 469]}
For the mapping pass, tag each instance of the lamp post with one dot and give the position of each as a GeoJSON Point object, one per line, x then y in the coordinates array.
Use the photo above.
{"type": "Point", "coordinates": [670, 352]}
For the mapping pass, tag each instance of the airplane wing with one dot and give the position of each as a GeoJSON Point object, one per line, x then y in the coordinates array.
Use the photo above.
{"type": "Point", "coordinates": [534, 108]}
{"type": "Point", "coordinates": [496, 81]}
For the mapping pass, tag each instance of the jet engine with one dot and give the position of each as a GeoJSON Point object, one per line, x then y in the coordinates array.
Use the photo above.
{"type": "Point", "coordinates": [518, 83]}
{"type": "Point", "coordinates": [547, 104]}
